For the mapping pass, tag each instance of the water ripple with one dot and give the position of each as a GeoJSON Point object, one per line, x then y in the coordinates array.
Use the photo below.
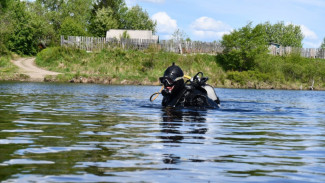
{"type": "Point", "coordinates": [98, 133]}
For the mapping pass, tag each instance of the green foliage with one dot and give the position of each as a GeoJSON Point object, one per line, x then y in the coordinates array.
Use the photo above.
{"type": "Point", "coordinates": [248, 76]}
{"type": "Point", "coordinates": [3, 62]}
{"type": "Point", "coordinates": [285, 35]}
{"type": "Point", "coordinates": [147, 66]}
{"type": "Point", "coordinates": [56, 11]}
{"type": "Point", "coordinates": [73, 17]}
{"type": "Point", "coordinates": [71, 27]}
{"type": "Point", "coordinates": [103, 21]}
{"type": "Point", "coordinates": [137, 19]}
{"type": "Point", "coordinates": [131, 65]}
{"type": "Point", "coordinates": [7, 69]}
{"type": "Point", "coordinates": [52, 5]}
{"type": "Point", "coordinates": [22, 40]}
{"type": "Point", "coordinates": [282, 72]}
{"type": "Point", "coordinates": [117, 6]}
{"type": "Point", "coordinates": [54, 57]}
{"type": "Point", "coordinates": [58, 15]}
{"type": "Point", "coordinates": [26, 24]}
{"type": "Point", "coordinates": [322, 46]}
{"type": "Point", "coordinates": [3, 50]}
{"type": "Point", "coordinates": [4, 5]}
{"type": "Point", "coordinates": [125, 35]}
{"type": "Point", "coordinates": [6, 30]}
{"type": "Point", "coordinates": [23, 27]}
{"type": "Point", "coordinates": [114, 14]}
{"type": "Point", "coordinates": [241, 47]}
{"type": "Point", "coordinates": [293, 68]}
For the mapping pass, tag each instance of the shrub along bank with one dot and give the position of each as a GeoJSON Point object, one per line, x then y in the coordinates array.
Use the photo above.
{"type": "Point", "coordinates": [118, 66]}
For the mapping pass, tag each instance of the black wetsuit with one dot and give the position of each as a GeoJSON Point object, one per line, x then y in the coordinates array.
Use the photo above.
{"type": "Point", "coordinates": [189, 96]}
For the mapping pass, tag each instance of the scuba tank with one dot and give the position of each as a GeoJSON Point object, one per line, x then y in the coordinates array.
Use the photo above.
{"type": "Point", "coordinates": [199, 83]}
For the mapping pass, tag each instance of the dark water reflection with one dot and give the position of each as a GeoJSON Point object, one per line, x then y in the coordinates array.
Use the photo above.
{"type": "Point", "coordinates": [98, 133]}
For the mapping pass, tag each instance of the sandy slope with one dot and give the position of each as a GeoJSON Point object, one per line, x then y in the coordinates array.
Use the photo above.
{"type": "Point", "coordinates": [27, 66]}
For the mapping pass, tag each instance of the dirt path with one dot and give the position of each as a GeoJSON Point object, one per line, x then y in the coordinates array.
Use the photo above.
{"type": "Point", "coordinates": [27, 66]}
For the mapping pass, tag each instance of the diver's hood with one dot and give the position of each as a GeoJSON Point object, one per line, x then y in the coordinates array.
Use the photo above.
{"type": "Point", "coordinates": [172, 80]}
{"type": "Point", "coordinates": [173, 72]}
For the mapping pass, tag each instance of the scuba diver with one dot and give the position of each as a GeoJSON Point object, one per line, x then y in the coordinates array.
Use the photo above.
{"type": "Point", "coordinates": [192, 93]}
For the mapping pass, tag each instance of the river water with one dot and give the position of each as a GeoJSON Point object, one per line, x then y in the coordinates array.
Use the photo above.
{"type": "Point", "coordinates": [101, 133]}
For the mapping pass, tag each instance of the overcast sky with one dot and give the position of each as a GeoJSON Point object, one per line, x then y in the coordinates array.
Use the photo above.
{"type": "Point", "coordinates": [208, 20]}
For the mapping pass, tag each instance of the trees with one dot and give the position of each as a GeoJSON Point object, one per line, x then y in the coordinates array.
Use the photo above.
{"type": "Point", "coordinates": [4, 5]}
{"type": "Point", "coordinates": [285, 35]}
{"type": "Point", "coordinates": [22, 27]}
{"type": "Point", "coordinates": [118, 7]}
{"type": "Point", "coordinates": [22, 39]}
{"type": "Point", "coordinates": [112, 14]}
{"type": "Point", "coordinates": [25, 24]}
{"type": "Point", "coordinates": [59, 12]}
{"type": "Point", "coordinates": [103, 21]}
{"type": "Point", "coordinates": [242, 47]}
{"type": "Point", "coordinates": [70, 27]}
{"type": "Point", "coordinates": [51, 5]}
{"type": "Point", "coordinates": [137, 19]}
{"type": "Point", "coordinates": [6, 26]}
{"type": "Point", "coordinates": [322, 46]}
{"type": "Point", "coordinates": [106, 14]}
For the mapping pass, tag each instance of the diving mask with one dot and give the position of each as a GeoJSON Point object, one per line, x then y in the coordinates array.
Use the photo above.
{"type": "Point", "coordinates": [167, 81]}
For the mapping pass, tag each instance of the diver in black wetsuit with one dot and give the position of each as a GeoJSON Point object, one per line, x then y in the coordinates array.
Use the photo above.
{"type": "Point", "coordinates": [192, 93]}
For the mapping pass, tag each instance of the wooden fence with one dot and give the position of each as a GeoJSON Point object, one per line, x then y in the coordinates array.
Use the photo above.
{"type": "Point", "coordinates": [304, 52]}
{"type": "Point", "coordinates": [187, 47]}
{"type": "Point", "coordinates": [98, 43]}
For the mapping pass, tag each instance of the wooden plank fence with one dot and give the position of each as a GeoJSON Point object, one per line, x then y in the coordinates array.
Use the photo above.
{"type": "Point", "coordinates": [98, 43]}
{"type": "Point", "coordinates": [84, 43]}
{"type": "Point", "coordinates": [304, 52]}
{"type": "Point", "coordinates": [187, 47]}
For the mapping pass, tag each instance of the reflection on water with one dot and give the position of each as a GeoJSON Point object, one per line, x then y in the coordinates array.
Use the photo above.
{"type": "Point", "coordinates": [173, 130]}
{"type": "Point", "coordinates": [98, 133]}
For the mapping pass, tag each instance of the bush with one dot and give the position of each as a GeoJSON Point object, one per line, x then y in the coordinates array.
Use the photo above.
{"type": "Point", "coordinates": [242, 47]}
{"type": "Point", "coordinates": [71, 27]}
{"type": "Point", "coordinates": [249, 76]}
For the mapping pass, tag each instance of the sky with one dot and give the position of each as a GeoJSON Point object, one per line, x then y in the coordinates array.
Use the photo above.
{"type": "Point", "coordinates": [208, 20]}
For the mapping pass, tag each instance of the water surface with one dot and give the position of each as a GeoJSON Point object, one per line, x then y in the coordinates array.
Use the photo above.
{"type": "Point", "coordinates": [102, 133]}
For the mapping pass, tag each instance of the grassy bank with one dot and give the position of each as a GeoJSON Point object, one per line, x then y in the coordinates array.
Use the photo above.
{"type": "Point", "coordinates": [117, 66]}
{"type": "Point", "coordinates": [8, 71]}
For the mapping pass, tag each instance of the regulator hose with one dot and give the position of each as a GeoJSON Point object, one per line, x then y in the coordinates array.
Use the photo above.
{"type": "Point", "coordinates": [156, 94]}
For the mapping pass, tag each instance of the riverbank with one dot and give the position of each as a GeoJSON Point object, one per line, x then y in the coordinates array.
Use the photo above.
{"type": "Point", "coordinates": [117, 66]}
{"type": "Point", "coordinates": [10, 72]}
{"type": "Point", "coordinates": [27, 67]}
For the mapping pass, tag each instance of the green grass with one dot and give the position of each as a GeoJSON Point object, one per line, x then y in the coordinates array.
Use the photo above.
{"type": "Point", "coordinates": [8, 70]}
{"type": "Point", "coordinates": [118, 64]}
{"type": "Point", "coordinates": [145, 67]}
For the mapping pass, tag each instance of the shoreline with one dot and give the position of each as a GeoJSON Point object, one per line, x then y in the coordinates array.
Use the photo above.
{"type": "Point", "coordinates": [114, 81]}
{"type": "Point", "coordinates": [121, 67]}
